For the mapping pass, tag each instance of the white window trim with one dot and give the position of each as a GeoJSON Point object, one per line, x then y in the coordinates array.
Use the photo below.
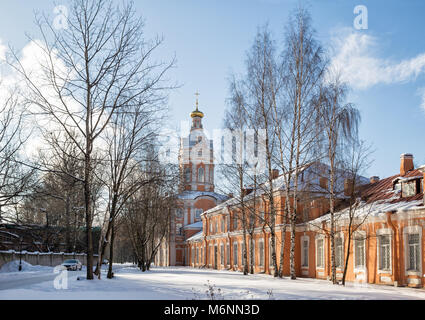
{"type": "Point", "coordinates": [235, 261]}
{"type": "Point", "coordinates": [320, 237]}
{"type": "Point", "coordinates": [355, 235]}
{"type": "Point", "coordinates": [303, 238]}
{"type": "Point", "coordinates": [341, 235]}
{"type": "Point", "coordinates": [384, 232]}
{"type": "Point", "coordinates": [261, 261]}
{"type": "Point", "coordinates": [406, 231]}
{"type": "Point", "coordinates": [270, 253]}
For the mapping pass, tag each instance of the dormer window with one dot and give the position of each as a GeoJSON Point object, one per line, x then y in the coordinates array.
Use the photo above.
{"type": "Point", "coordinates": [199, 139]}
{"type": "Point", "coordinates": [200, 153]}
{"type": "Point", "coordinates": [410, 188]}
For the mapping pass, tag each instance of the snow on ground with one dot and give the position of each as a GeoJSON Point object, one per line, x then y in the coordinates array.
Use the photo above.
{"type": "Point", "coordinates": [183, 283]}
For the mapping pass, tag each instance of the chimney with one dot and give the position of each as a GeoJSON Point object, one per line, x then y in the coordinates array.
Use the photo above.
{"type": "Point", "coordinates": [406, 164]}
{"type": "Point", "coordinates": [348, 187]}
{"type": "Point", "coordinates": [323, 182]}
{"type": "Point", "coordinates": [246, 191]}
{"type": "Point", "coordinates": [275, 173]}
{"type": "Point", "coordinates": [374, 179]}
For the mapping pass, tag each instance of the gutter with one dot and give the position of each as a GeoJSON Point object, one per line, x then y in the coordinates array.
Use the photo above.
{"type": "Point", "coordinates": [395, 251]}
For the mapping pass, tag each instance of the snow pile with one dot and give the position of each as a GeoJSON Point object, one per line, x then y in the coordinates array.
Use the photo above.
{"type": "Point", "coordinates": [13, 266]}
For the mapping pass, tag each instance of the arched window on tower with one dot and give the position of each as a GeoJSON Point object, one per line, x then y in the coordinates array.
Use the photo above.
{"type": "Point", "coordinates": [201, 174]}
{"type": "Point", "coordinates": [187, 175]}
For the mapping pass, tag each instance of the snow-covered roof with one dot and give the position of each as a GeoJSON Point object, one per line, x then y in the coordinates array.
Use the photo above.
{"type": "Point", "coordinates": [308, 180]}
{"type": "Point", "coordinates": [196, 236]}
{"type": "Point", "coordinates": [381, 197]}
{"type": "Point", "coordinates": [196, 225]}
{"type": "Point", "coordinates": [192, 195]}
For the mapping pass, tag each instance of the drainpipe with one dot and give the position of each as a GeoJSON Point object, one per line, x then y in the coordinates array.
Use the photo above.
{"type": "Point", "coordinates": [395, 251]}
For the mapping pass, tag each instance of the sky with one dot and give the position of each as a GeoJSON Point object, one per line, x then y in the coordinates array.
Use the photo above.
{"type": "Point", "coordinates": [384, 64]}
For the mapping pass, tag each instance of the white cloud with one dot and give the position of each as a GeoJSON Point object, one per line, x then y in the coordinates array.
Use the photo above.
{"type": "Point", "coordinates": [356, 57]}
{"type": "Point", "coordinates": [421, 93]}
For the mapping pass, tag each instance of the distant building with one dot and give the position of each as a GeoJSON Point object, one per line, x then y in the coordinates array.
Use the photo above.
{"type": "Point", "coordinates": [196, 165]}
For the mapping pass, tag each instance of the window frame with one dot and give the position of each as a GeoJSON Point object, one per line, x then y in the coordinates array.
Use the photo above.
{"type": "Point", "coordinates": [416, 229]}
{"type": "Point", "coordinates": [322, 258]}
{"type": "Point", "coordinates": [303, 239]}
{"type": "Point", "coordinates": [356, 239]}
{"type": "Point", "coordinates": [340, 236]}
{"type": "Point", "coordinates": [380, 233]}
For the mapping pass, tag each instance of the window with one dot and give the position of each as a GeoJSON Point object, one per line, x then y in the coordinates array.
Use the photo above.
{"type": "Point", "coordinates": [228, 254]}
{"type": "Point", "coordinates": [199, 139]}
{"type": "Point", "coordinates": [235, 254]}
{"type": "Point", "coordinates": [198, 213]}
{"type": "Point", "coordinates": [304, 257]}
{"type": "Point", "coordinates": [243, 253]}
{"type": "Point", "coordinates": [252, 258]}
{"type": "Point", "coordinates": [228, 223]}
{"type": "Point", "coordinates": [413, 251]}
{"type": "Point", "coordinates": [216, 226]}
{"type": "Point", "coordinates": [261, 252]}
{"type": "Point", "coordinates": [211, 227]}
{"type": "Point", "coordinates": [201, 174]}
{"type": "Point", "coordinates": [202, 255]}
{"type": "Point", "coordinates": [270, 253]}
{"type": "Point", "coordinates": [222, 254]}
{"type": "Point", "coordinates": [235, 222]}
{"type": "Point", "coordinates": [359, 252]}
{"type": "Point", "coordinates": [320, 253]}
{"type": "Point", "coordinates": [408, 189]}
{"type": "Point", "coordinates": [339, 252]}
{"type": "Point", "coordinates": [179, 213]}
{"type": "Point", "coordinates": [384, 252]}
{"type": "Point", "coordinates": [222, 224]}
{"type": "Point", "coordinates": [197, 255]}
{"type": "Point", "coordinates": [200, 153]}
{"type": "Point", "coordinates": [187, 174]}
{"type": "Point", "coordinates": [179, 229]}
{"type": "Point", "coordinates": [192, 254]}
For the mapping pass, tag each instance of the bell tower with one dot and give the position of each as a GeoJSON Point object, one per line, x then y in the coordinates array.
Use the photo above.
{"type": "Point", "coordinates": [196, 156]}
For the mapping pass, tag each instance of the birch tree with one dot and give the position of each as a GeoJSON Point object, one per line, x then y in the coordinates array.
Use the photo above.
{"type": "Point", "coordinates": [340, 122]}
{"type": "Point", "coordinates": [303, 67]}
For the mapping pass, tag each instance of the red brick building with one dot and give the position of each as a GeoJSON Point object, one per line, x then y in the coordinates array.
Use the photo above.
{"type": "Point", "coordinates": [387, 247]}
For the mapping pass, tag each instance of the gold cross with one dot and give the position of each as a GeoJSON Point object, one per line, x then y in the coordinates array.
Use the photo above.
{"type": "Point", "coordinates": [197, 95]}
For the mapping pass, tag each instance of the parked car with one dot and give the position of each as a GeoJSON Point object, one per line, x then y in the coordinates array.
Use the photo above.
{"type": "Point", "coordinates": [72, 264]}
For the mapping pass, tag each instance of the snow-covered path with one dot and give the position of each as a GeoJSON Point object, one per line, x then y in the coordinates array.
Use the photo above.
{"type": "Point", "coordinates": [182, 283]}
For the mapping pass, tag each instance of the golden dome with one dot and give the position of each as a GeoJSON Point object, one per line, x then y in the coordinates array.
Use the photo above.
{"type": "Point", "coordinates": [197, 113]}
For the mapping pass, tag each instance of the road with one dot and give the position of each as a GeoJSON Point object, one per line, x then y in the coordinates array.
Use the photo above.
{"type": "Point", "coordinates": [29, 279]}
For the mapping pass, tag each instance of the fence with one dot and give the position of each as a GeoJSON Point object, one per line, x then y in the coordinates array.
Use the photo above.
{"type": "Point", "coordinates": [43, 258]}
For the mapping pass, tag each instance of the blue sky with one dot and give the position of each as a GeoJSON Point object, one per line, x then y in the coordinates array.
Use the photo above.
{"type": "Point", "coordinates": [385, 64]}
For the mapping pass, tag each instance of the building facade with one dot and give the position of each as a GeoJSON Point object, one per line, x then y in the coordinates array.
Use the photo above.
{"type": "Point", "coordinates": [386, 244]}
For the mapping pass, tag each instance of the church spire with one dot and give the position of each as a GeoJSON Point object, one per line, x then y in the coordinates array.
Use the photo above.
{"type": "Point", "coordinates": [197, 113]}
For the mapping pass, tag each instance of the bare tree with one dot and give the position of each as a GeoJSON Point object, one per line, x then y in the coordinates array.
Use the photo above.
{"type": "Point", "coordinates": [303, 66]}
{"type": "Point", "coordinates": [339, 121]}
{"type": "Point", "coordinates": [356, 162]}
{"type": "Point", "coordinates": [98, 65]}
{"type": "Point", "coordinates": [15, 178]}
{"type": "Point", "coordinates": [129, 133]}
